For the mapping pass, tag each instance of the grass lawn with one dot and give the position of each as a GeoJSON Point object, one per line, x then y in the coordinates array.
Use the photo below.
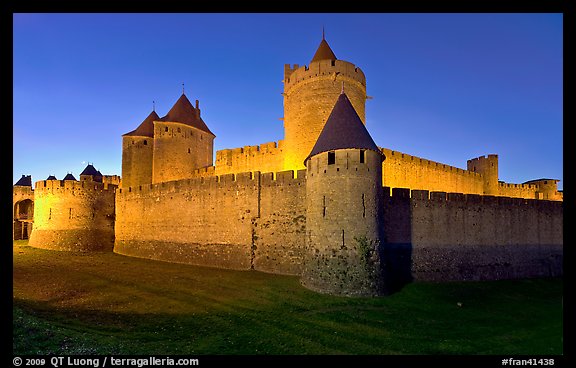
{"type": "Point", "coordinates": [104, 303]}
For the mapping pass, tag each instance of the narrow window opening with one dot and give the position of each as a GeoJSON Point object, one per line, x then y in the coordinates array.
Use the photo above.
{"type": "Point", "coordinates": [363, 206]}
{"type": "Point", "coordinates": [188, 150]}
{"type": "Point", "coordinates": [362, 154]}
{"type": "Point", "coordinates": [50, 214]}
{"type": "Point", "coordinates": [333, 62]}
{"type": "Point", "coordinates": [165, 129]}
{"type": "Point", "coordinates": [145, 142]}
{"type": "Point", "coordinates": [331, 158]}
{"type": "Point", "coordinates": [343, 243]}
{"type": "Point", "coordinates": [70, 214]}
{"type": "Point", "coordinates": [179, 131]}
{"type": "Point", "coordinates": [324, 206]}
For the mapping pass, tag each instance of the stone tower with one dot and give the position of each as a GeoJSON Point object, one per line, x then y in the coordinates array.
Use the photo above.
{"type": "Point", "coordinates": [74, 215]}
{"type": "Point", "coordinates": [310, 92]}
{"type": "Point", "coordinates": [137, 148]}
{"type": "Point", "coordinates": [488, 167]}
{"type": "Point", "coordinates": [182, 143]}
{"type": "Point", "coordinates": [343, 207]}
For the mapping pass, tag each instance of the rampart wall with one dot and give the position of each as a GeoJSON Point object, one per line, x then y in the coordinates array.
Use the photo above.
{"type": "Point", "coordinates": [401, 170]}
{"type": "Point", "coordinates": [442, 236]}
{"type": "Point", "coordinates": [527, 191]}
{"type": "Point", "coordinates": [238, 221]}
{"type": "Point", "coordinates": [258, 221]}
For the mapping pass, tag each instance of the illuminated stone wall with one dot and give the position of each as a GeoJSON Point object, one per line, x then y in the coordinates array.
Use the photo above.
{"type": "Point", "coordinates": [280, 229]}
{"type": "Point", "coordinates": [241, 221]}
{"type": "Point", "coordinates": [401, 170]}
{"type": "Point", "coordinates": [74, 216]}
{"type": "Point", "coordinates": [267, 157]}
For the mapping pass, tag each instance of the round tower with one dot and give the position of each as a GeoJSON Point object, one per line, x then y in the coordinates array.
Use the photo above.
{"type": "Point", "coordinates": [310, 92]}
{"type": "Point", "coordinates": [73, 215]}
{"type": "Point", "coordinates": [182, 143]}
{"type": "Point", "coordinates": [137, 148]}
{"type": "Point", "coordinates": [343, 208]}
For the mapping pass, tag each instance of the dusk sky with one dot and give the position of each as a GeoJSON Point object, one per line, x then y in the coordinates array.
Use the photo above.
{"type": "Point", "coordinates": [445, 87]}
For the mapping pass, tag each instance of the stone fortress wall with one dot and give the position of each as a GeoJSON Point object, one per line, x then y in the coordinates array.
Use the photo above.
{"type": "Point", "coordinates": [238, 221]}
{"type": "Point", "coordinates": [258, 221]}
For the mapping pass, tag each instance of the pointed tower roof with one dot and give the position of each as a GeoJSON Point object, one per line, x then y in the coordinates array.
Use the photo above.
{"type": "Point", "coordinates": [183, 112]}
{"type": "Point", "coordinates": [24, 181]}
{"type": "Point", "coordinates": [146, 128]}
{"type": "Point", "coordinates": [324, 52]}
{"type": "Point", "coordinates": [90, 170]}
{"type": "Point", "coordinates": [69, 176]}
{"type": "Point", "coordinates": [51, 177]}
{"type": "Point", "coordinates": [343, 130]}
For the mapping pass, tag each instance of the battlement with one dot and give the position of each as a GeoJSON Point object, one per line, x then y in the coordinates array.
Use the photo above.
{"type": "Point", "coordinates": [323, 68]}
{"type": "Point", "coordinates": [269, 147]}
{"type": "Point", "coordinates": [519, 186]}
{"type": "Point", "coordinates": [396, 155]}
{"type": "Point", "coordinates": [22, 190]}
{"type": "Point", "coordinates": [204, 172]}
{"type": "Point", "coordinates": [482, 159]}
{"type": "Point", "coordinates": [44, 186]}
{"type": "Point", "coordinates": [447, 197]}
{"type": "Point", "coordinates": [245, 178]}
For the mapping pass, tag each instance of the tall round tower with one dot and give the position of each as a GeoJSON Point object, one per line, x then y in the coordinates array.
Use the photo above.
{"type": "Point", "coordinates": [310, 92]}
{"type": "Point", "coordinates": [343, 208]}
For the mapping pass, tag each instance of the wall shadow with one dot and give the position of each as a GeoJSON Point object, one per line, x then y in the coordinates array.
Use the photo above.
{"type": "Point", "coordinates": [396, 249]}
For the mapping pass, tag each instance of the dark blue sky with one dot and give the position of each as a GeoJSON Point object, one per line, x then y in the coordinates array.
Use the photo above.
{"type": "Point", "coordinates": [446, 87]}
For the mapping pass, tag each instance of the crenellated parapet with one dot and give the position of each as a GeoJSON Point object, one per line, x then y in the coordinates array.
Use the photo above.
{"type": "Point", "coordinates": [332, 70]}
{"type": "Point", "coordinates": [264, 157]}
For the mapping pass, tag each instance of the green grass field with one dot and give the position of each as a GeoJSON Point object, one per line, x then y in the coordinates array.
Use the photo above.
{"type": "Point", "coordinates": [104, 303]}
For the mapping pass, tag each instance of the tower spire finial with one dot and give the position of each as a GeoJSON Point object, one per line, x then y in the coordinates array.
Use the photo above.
{"type": "Point", "coordinates": [153, 105]}
{"type": "Point", "coordinates": [182, 88]}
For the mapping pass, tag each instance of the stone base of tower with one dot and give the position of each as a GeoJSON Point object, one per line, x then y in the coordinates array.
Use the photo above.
{"type": "Point", "coordinates": [338, 275]}
{"type": "Point", "coordinates": [76, 240]}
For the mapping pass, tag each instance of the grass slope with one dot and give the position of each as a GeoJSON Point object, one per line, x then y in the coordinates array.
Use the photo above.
{"type": "Point", "coordinates": [104, 303]}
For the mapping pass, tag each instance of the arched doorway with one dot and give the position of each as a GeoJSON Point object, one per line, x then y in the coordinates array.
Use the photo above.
{"type": "Point", "coordinates": [23, 219]}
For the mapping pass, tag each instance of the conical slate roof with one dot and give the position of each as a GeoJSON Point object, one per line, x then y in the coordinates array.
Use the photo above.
{"type": "Point", "coordinates": [183, 112]}
{"type": "Point", "coordinates": [51, 177]}
{"type": "Point", "coordinates": [324, 52]}
{"type": "Point", "coordinates": [343, 130]}
{"type": "Point", "coordinates": [69, 177]}
{"type": "Point", "coordinates": [24, 181]}
{"type": "Point", "coordinates": [146, 128]}
{"type": "Point", "coordinates": [90, 170]}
